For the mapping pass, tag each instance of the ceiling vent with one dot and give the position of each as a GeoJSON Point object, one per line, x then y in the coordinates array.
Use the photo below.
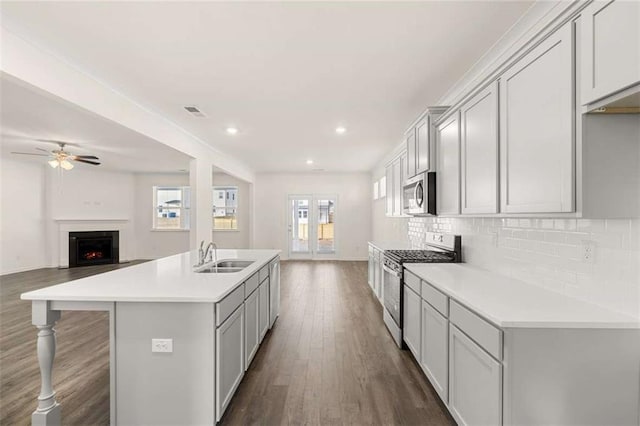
{"type": "Point", "coordinates": [195, 111]}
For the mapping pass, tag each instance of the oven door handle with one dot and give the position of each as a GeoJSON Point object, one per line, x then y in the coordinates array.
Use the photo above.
{"type": "Point", "coordinates": [391, 271]}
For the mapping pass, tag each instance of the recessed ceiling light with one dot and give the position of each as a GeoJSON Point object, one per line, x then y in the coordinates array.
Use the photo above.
{"type": "Point", "coordinates": [232, 130]}
{"type": "Point", "coordinates": [341, 130]}
{"type": "Point", "coordinates": [309, 161]}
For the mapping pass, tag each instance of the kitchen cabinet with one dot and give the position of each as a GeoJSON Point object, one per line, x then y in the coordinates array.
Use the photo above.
{"type": "Point", "coordinates": [274, 291]}
{"type": "Point", "coordinates": [379, 275]}
{"type": "Point", "coordinates": [475, 382]}
{"type": "Point", "coordinates": [371, 271]}
{"type": "Point", "coordinates": [251, 328]}
{"type": "Point", "coordinates": [423, 145]}
{"type": "Point", "coordinates": [397, 187]}
{"type": "Point", "coordinates": [610, 48]}
{"type": "Point", "coordinates": [536, 129]}
{"type": "Point", "coordinates": [404, 169]}
{"type": "Point", "coordinates": [263, 310]}
{"type": "Point", "coordinates": [479, 152]}
{"type": "Point", "coordinates": [434, 358]}
{"type": "Point", "coordinates": [448, 178]}
{"type": "Point", "coordinates": [411, 320]}
{"type": "Point", "coordinates": [229, 359]}
{"type": "Point", "coordinates": [410, 138]}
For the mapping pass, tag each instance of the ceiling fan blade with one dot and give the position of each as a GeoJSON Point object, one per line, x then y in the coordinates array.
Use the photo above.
{"type": "Point", "coordinates": [95, 163]}
{"type": "Point", "coordinates": [30, 153]}
{"type": "Point", "coordinates": [85, 157]}
{"type": "Point", "coordinates": [42, 149]}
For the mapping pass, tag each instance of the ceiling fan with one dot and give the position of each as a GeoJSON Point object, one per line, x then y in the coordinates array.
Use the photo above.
{"type": "Point", "coordinates": [62, 158]}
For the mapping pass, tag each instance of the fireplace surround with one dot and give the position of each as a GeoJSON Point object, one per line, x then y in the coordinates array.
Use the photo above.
{"type": "Point", "coordinates": [93, 248]}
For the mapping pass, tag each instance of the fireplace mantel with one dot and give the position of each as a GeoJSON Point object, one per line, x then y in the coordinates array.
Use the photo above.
{"type": "Point", "coordinates": [70, 224]}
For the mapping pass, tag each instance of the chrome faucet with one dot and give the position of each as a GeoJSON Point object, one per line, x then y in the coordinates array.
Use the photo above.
{"type": "Point", "coordinates": [207, 252]}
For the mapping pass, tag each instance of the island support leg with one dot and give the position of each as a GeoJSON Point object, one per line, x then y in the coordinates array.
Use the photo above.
{"type": "Point", "coordinates": [48, 411]}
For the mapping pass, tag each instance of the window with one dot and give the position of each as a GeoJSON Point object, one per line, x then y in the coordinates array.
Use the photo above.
{"type": "Point", "coordinates": [225, 208]}
{"type": "Point", "coordinates": [171, 207]}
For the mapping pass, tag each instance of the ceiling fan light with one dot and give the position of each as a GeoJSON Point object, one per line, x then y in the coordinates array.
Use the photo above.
{"type": "Point", "coordinates": [53, 163]}
{"type": "Point", "coordinates": [66, 165]}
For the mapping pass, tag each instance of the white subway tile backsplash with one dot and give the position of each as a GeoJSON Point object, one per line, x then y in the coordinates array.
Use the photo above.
{"type": "Point", "coordinates": [548, 253]}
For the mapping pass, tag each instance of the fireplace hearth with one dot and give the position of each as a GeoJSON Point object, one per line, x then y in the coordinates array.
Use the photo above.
{"type": "Point", "coordinates": [93, 248]}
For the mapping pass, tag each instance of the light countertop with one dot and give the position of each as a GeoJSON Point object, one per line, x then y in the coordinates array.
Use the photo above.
{"type": "Point", "coordinates": [508, 302]}
{"type": "Point", "coordinates": [170, 279]}
{"type": "Point", "coordinates": [390, 245]}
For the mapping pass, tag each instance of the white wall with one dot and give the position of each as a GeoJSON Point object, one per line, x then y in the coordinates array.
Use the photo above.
{"type": "Point", "coordinates": [153, 244]}
{"type": "Point", "coordinates": [242, 237]}
{"type": "Point", "coordinates": [353, 212]}
{"type": "Point", "coordinates": [22, 216]}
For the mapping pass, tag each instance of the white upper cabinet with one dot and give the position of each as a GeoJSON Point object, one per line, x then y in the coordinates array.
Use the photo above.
{"type": "Point", "coordinates": [536, 129]}
{"type": "Point", "coordinates": [610, 48]}
{"type": "Point", "coordinates": [448, 175]}
{"type": "Point", "coordinates": [479, 152]}
{"type": "Point", "coordinates": [389, 190]}
{"type": "Point", "coordinates": [411, 152]}
{"type": "Point", "coordinates": [423, 147]}
{"type": "Point", "coordinates": [397, 187]}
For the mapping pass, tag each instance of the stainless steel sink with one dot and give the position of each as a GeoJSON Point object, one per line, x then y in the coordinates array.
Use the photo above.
{"type": "Point", "coordinates": [219, 270]}
{"type": "Point", "coordinates": [234, 263]}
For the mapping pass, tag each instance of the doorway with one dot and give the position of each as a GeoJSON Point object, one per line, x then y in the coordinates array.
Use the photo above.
{"type": "Point", "coordinates": [311, 226]}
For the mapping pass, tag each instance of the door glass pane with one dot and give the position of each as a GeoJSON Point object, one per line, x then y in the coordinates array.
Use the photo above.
{"type": "Point", "coordinates": [326, 213]}
{"type": "Point", "coordinates": [299, 223]}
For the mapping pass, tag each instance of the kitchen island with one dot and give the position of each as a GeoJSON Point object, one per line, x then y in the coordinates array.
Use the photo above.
{"type": "Point", "coordinates": [180, 340]}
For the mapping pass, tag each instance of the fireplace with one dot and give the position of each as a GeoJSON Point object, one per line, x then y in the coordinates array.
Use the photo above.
{"type": "Point", "coordinates": [93, 248]}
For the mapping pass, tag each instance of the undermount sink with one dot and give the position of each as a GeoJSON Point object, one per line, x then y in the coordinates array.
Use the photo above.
{"type": "Point", "coordinates": [219, 270]}
{"type": "Point", "coordinates": [226, 267]}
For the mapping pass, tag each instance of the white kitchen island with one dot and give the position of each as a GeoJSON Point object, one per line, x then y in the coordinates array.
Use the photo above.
{"type": "Point", "coordinates": [180, 340]}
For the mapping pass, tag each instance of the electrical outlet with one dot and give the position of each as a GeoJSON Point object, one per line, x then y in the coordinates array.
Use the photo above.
{"type": "Point", "coordinates": [588, 251]}
{"type": "Point", "coordinates": [161, 345]}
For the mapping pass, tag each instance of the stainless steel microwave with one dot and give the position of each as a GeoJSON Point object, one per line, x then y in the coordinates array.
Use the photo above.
{"type": "Point", "coordinates": [419, 195]}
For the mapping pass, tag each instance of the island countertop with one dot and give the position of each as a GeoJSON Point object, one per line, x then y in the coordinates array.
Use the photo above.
{"type": "Point", "coordinates": [170, 279]}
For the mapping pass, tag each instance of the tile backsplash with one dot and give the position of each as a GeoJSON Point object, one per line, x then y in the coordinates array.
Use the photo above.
{"type": "Point", "coordinates": [592, 260]}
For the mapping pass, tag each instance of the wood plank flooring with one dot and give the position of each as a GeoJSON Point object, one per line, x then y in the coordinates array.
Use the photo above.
{"type": "Point", "coordinates": [328, 359]}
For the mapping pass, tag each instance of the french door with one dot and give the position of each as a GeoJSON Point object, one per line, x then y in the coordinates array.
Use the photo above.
{"type": "Point", "coordinates": [311, 226]}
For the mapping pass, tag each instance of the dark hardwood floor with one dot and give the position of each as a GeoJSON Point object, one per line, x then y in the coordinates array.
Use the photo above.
{"type": "Point", "coordinates": [328, 359]}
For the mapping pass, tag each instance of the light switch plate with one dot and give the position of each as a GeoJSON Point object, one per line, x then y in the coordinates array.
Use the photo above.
{"type": "Point", "coordinates": [161, 345]}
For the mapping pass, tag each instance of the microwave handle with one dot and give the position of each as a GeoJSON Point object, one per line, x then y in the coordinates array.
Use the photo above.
{"type": "Point", "coordinates": [419, 201]}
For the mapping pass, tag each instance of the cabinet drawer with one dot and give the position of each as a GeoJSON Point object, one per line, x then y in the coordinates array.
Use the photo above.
{"type": "Point", "coordinates": [412, 281]}
{"type": "Point", "coordinates": [263, 274]}
{"type": "Point", "coordinates": [226, 306]}
{"type": "Point", "coordinates": [483, 333]}
{"type": "Point", "coordinates": [251, 284]}
{"type": "Point", "coordinates": [436, 298]}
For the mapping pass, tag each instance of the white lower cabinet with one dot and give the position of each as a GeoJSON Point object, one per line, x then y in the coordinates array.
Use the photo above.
{"type": "Point", "coordinates": [475, 382]}
{"type": "Point", "coordinates": [229, 359]}
{"type": "Point", "coordinates": [434, 357]}
{"type": "Point", "coordinates": [274, 291]}
{"type": "Point", "coordinates": [263, 310]}
{"type": "Point", "coordinates": [251, 328]}
{"type": "Point", "coordinates": [411, 320]}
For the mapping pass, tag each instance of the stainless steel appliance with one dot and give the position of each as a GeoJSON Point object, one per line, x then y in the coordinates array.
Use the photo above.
{"type": "Point", "coordinates": [419, 195]}
{"type": "Point", "coordinates": [441, 248]}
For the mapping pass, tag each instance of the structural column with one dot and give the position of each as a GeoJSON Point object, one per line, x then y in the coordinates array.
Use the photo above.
{"type": "Point", "coordinates": [48, 411]}
{"type": "Point", "coordinates": [201, 182]}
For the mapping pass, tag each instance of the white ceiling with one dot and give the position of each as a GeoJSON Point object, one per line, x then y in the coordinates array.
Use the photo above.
{"type": "Point", "coordinates": [28, 114]}
{"type": "Point", "coordinates": [285, 73]}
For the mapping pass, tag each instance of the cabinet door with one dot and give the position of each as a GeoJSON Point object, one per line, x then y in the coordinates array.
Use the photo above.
{"type": "Point", "coordinates": [263, 310]}
{"type": "Point", "coordinates": [229, 359]}
{"type": "Point", "coordinates": [372, 269]}
{"type": "Point", "coordinates": [389, 195]}
{"type": "Point", "coordinates": [274, 292]}
{"type": "Point", "coordinates": [251, 326]}
{"type": "Point", "coordinates": [610, 47]}
{"type": "Point", "coordinates": [411, 320]}
{"type": "Point", "coordinates": [397, 188]}
{"type": "Point", "coordinates": [423, 146]}
{"type": "Point", "coordinates": [536, 129]}
{"type": "Point", "coordinates": [404, 173]}
{"type": "Point", "coordinates": [479, 152]}
{"type": "Point", "coordinates": [376, 274]}
{"type": "Point", "coordinates": [434, 358]}
{"type": "Point", "coordinates": [380, 275]}
{"type": "Point", "coordinates": [448, 177]}
{"type": "Point", "coordinates": [475, 382]}
{"type": "Point", "coordinates": [411, 153]}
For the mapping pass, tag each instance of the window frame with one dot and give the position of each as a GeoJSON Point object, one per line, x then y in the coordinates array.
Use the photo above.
{"type": "Point", "coordinates": [226, 188]}
{"type": "Point", "coordinates": [185, 208]}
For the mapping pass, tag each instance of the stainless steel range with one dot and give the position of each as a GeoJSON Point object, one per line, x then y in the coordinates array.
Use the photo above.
{"type": "Point", "coordinates": [441, 248]}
